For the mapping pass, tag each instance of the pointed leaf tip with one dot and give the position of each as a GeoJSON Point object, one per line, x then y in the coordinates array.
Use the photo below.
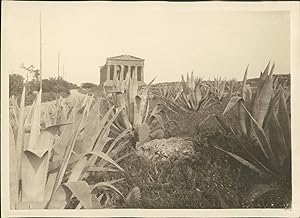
{"type": "Point", "coordinates": [231, 103]}
{"type": "Point", "coordinates": [82, 192]}
{"type": "Point", "coordinates": [272, 69]}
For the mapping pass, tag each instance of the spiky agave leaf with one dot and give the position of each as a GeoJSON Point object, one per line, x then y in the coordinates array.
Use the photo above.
{"type": "Point", "coordinates": [133, 196]}
{"type": "Point", "coordinates": [109, 184]}
{"type": "Point", "coordinates": [232, 102]}
{"type": "Point", "coordinates": [261, 136]}
{"type": "Point", "coordinates": [277, 142]}
{"type": "Point", "coordinates": [103, 139]}
{"type": "Point", "coordinates": [68, 151]}
{"type": "Point", "coordinates": [262, 100]}
{"type": "Point", "coordinates": [60, 199]}
{"type": "Point", "coordinates": [246, 94]}
{"type": "Point", "coordinates": [183, 84]}
{"type": "Point", "coordinates": [81, 191]}
{"type": "Point", "coordinates": [263, 95]}
{"type": "Point", "coordinates": [76, 117]}
{"type": "Point", "coordinates": [124, 116]}
{"type": "Point", "coordinates": [188, 84]}
{"type": "Point", "coordinates": [34, 161]}
{"type": "Point", "coordinates": [20, 137]}
{"type": "Point", "coordinates": [272, 107]}
{"type": "Point", "coordinates": [243, 161]}
{"type": "Point", "coordinates": [137, 118]}
{"type": "Point", "coordinates": [105, 157]}
{"type": "Point", "coordinates": [284, 120]}
{"type": "Point", "coordinates": [131, 96]}
{"type": "Point", "coordinates": [198, 95]}
{"type": "Point", "coordinates": [13, 171]}
{"type": "Point", "coordinates": [143, 132]}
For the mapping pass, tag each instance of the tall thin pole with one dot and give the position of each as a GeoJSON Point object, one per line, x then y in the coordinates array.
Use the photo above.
{"type": "Point", "coordinates": [41, 51]}
{"type": "Point", "coordinates": [58, 65]}
{"type": "Point", "coordinates": [63, 72]}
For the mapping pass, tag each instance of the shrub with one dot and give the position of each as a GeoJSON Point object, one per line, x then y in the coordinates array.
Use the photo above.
{"type": "Point", "coordinates": [88, 85]}
{"type": "Point", "coordinates": [16, 83]}
{"type": "Point", "coordinates": [52, 88]}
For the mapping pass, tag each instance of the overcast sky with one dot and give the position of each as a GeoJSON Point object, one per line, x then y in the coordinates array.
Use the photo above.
{"type": "Point", "coordinates": [173, 38]}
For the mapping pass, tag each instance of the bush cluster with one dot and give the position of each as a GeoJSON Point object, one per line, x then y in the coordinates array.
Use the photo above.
{"type": "Point", "coordinates": [52, 88]}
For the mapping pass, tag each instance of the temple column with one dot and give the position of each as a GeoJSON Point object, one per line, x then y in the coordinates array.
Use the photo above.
{"type": "Point", "coordinates": [107, 73]}
{"type": "Point", "coordinates": [115, 72]}
{"type": "Point", "coordinates": [121, 72]}
{"type": "Point", "coordinates": [142, 73]}
{"type": "Point", "coordinates": [125, 73]}
{"type": "Point", "coordinates": [129, 71]}
{"type": "Point", "coordinates": [134, 71]}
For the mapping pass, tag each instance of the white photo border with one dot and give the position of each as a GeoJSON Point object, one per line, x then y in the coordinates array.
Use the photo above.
{"type": "Point", "coordinates": [292, 7]}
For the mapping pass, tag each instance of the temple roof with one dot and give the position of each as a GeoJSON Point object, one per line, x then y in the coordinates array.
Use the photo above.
{"type": "Point", "coordinates": [125, 58]}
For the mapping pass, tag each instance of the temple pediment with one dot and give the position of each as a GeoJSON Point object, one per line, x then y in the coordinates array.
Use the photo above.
{"type": "Point", "coordinates": [125, 58]}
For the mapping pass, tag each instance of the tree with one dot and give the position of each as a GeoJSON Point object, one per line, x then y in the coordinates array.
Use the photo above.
{"type": "Point", "coordinates": [31, 71]}
{"type": "Point", "coordinates": [16, 84]}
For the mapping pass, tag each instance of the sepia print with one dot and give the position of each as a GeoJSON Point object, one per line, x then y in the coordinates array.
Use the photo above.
{"type": "Point", "coordinates": [147, 106]}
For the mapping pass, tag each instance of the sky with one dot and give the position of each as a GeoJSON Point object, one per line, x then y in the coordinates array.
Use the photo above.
{"type": "Point", "coordinates": [173, 38]}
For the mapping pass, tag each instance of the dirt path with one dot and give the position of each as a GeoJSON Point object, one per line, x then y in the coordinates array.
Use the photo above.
{"type": "Point", "coordinates": [73, 95]}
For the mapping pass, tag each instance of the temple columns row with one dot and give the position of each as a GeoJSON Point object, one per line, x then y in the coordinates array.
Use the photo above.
{"type": "Point", "coordinates": [119, 73]}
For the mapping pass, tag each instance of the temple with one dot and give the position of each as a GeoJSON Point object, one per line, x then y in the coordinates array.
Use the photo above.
{"type": "Point", "coordinates": [118, 67]}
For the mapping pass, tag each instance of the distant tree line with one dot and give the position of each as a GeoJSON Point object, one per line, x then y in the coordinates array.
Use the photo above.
{"type": "Point", "coordinates": [52, 88]}
{"type": "Point", "coordinates": [88, 85]}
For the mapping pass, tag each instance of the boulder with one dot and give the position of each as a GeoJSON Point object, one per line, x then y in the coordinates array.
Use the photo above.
{"type": "Point", "coordinates": [171, 149]}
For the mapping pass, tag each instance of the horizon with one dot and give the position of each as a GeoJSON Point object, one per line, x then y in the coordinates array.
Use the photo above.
{"type": "Point", "coordinates": [172, 38]}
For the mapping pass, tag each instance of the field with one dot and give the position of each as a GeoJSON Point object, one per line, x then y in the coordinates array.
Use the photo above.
{"type": "Point", "coordinates": [193, 144]}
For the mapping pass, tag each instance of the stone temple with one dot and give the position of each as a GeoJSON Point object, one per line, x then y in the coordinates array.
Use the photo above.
{"type": "Point", "coordinates": [118, 67]}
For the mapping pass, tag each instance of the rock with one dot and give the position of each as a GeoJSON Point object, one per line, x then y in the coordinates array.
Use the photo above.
{"type": "Point", "coordinates": [170, 149]}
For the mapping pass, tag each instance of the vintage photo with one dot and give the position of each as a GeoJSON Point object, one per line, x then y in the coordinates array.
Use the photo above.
{"type": "Point", "coordinates": [147, 106]}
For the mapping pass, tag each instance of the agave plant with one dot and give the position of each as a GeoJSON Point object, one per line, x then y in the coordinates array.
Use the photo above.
{"type": "Point", "coordinates": [169, 92]}
{"type": "Point", "coordinates": [282, 84]}
{"type": "Point", "coordinates": [47, 168]}
{"type": "Point", "coordinates": [164, 91]}
{"type": "Point", "coordinates": [217, 88]}
{"type": "Point", "coordinates": [135, 114]}
{"type": "Point", "coordinates": [193, 95]}
{"type": "Point", "coordinates": [232, 87]}
{"type": "Point", "coordinates": [265, 117]}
